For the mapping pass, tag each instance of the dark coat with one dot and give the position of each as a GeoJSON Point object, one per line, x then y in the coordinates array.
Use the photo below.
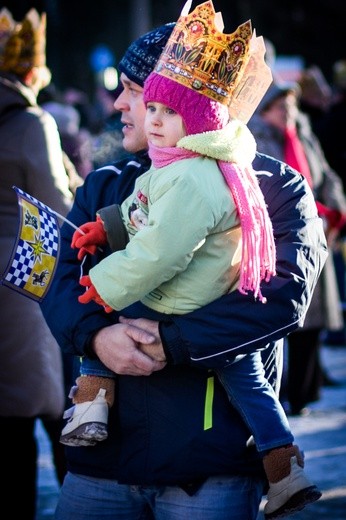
{"type": "Point", "coordinates": [157, 433]}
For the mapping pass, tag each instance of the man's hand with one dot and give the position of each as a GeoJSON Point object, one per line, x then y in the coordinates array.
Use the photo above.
{"type": "Point", "coordinates": [154, 349]}
{"type": "Point", "coordinates": [117, 346]}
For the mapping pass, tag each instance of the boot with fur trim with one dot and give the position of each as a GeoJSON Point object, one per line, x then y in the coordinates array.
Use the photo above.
{"type": "Point", "coordinates": [88, 418]}
{"type": "Point", "coordinates": [87, 388]}
{"type": "Point", "coordinates": [289, 488]}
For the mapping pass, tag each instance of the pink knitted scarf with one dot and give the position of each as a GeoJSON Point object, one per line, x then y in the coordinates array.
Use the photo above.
{"type": "Point", "coordinates": [258, 247]}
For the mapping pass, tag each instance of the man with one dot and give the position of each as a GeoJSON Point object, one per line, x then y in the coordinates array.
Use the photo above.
{"type": "Point", "coordinates": [176, 448]}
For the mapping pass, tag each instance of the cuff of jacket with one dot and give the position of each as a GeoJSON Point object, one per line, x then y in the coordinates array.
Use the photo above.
{"type": "Point", "coordinates": [173, 345]}
{"type": "Point", "coordinates": [113, 224]}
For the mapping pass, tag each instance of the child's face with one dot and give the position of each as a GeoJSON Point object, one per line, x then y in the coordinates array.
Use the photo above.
{"type": "Point", "coordinates": [163, 126]}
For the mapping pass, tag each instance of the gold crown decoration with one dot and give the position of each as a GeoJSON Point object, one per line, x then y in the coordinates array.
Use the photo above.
{"type": "Point", "coordinates": [7, 26]}
{"type": "Point", "coordinates": [201, 57]}
{"type": "Point", "coordinates": [253, 84]}
{"type": "Point", "coordinates": [22, 44]}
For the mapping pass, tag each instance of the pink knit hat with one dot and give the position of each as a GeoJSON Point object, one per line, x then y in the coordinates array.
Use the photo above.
{"type": "Point", "coordinates": [199, 112]}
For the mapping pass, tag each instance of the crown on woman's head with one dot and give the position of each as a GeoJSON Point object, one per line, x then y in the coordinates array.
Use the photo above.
{"type": "Point", "coordinates": [201, 57]}
{"type": "Point", "coordinates": [22, 44]}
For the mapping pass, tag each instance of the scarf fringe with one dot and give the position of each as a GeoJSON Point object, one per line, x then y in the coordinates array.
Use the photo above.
{"type": "Point", "coordinates": [258, 246]}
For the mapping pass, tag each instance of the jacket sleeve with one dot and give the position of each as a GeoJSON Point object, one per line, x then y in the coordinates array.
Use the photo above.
{"type": "Point", "coordinates": [235, 323]}
{"type": "Point", "coordinates": [157, 252]}
{"type": "Point", "coordinates": [73, 324]}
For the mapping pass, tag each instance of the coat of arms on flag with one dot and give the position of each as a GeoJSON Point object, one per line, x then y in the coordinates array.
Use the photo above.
{"type": "Point", "coordinates": [36, 250]}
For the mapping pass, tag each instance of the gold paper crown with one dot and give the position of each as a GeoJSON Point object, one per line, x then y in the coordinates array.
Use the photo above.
{"type": "Point", "coordinates": [22, 44]}
{"type": "Point", "coordinates": [201, 57]}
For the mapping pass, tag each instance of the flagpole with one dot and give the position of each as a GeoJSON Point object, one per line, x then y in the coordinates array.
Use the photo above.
{"type": "Point", "coordinates": [72, 224]}
{"type": "Point", "coordinates": [67, 221]}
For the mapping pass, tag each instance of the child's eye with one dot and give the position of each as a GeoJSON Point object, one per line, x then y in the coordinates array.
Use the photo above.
{"type": "Point", "coordinates": [170, 111]}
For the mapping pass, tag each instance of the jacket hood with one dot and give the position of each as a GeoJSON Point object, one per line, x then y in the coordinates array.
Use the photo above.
{"type": "Point", "coordinates": [14, 94]}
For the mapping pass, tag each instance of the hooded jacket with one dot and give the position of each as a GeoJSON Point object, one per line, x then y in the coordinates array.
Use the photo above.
{"type": "Point", "coordinates": [31, 376]}
{"type": "Point", "coordinates": [176, 426]}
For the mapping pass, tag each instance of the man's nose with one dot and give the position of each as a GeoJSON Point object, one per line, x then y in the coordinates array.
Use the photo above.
{"type": "Point", "coordinates": [121, 102]}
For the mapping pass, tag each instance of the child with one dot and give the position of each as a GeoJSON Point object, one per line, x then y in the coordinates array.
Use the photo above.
{"type": "Point", "coordinates": [193, 237]}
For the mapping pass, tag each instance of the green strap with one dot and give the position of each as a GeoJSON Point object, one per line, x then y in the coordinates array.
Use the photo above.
{"type": "Point", "coordinates": [208, 408]}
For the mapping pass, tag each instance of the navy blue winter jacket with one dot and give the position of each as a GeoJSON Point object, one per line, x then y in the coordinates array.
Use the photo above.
{"type": "Point", "coordinates": [177, 426]}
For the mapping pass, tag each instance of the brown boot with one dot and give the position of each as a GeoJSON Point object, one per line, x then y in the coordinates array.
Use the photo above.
{"type": "Point", "coordinates": [88, 418]}
{"type": "Point", "coordinates": [289, 488]}
{"type": "Point", "coordinates": [88, 387]}
{"type": "Point", "coordinates": [277, 463]}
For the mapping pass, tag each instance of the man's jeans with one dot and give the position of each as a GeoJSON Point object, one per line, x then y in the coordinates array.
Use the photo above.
{"type": "Point", "coordinates": [220, 498]}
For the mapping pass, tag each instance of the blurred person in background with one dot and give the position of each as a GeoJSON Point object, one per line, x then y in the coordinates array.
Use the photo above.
{"type": "Point", "coordinates": [76, 142]}
{"type": "Point", "coordinates": [326, 107]}
{"type": "Point", "coordinates": [108, 141]}
{"type": "Point", "coordinates": [332, 133]}
{"type": "Point", "coordinates": [283, 131]}
{"type": "Point", "coordinates": [315, 97]}
{"type": "Point", "coordinates": [31, 369]}
{"type": "Point", "coordinates": [334, 146]}
{"type": "Point", "coordinates": [89, 115]}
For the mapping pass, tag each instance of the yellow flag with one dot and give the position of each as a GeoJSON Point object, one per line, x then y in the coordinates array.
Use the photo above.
{"type": "Point", "coordinates": [36, 251]}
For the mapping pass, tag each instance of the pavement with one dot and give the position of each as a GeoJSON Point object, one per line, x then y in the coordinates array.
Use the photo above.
{"type": "Point", "coordinates": [321, 435]}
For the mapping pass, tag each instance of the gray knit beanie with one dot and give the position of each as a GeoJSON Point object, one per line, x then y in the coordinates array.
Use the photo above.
{"type": "Point", "coordinates": [140, 58]}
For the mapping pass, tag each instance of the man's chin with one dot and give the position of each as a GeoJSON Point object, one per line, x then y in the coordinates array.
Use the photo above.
{"type": "Point", "coordinates": [132, 144]}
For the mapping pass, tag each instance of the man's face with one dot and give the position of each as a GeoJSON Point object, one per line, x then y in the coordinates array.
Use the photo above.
{"type": "Point", "coordinates": [130, 104]}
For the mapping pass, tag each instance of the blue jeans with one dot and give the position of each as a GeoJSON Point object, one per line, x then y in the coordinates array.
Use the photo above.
{"type": "Point", "coordinates": [94, 367]}
{"type": "Point", "coordinates": [255, 399]}
{"type": "Point", "coordinates": [220, 498]}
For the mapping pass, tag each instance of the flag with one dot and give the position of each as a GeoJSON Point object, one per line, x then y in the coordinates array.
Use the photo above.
{"type": "Point", "coordinates": [35, 255]}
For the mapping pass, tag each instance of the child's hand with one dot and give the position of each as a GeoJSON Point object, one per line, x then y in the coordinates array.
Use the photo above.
{"type": "Point", "coordinates": [91, 294]}
{"type": "Point", "coordinates": [92, 236]}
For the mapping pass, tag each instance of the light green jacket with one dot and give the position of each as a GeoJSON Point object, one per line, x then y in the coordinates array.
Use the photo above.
{"type": "Point", "coordinates": [185, 236]}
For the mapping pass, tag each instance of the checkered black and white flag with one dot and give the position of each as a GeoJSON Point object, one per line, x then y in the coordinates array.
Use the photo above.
{"type": "Point", "coordinates": [36, 250]}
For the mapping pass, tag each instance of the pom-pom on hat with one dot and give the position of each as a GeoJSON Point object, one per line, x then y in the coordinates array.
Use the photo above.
{"type": "Point", "coordinates": [199, 112]}
{"type": "Point", "coordinates": [140, 58]}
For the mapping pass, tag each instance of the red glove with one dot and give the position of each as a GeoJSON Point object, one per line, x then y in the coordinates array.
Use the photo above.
{"type": "Point", "coordinates": [94, 236]}
{"type": "Point", "coordinates": [91, 294]}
